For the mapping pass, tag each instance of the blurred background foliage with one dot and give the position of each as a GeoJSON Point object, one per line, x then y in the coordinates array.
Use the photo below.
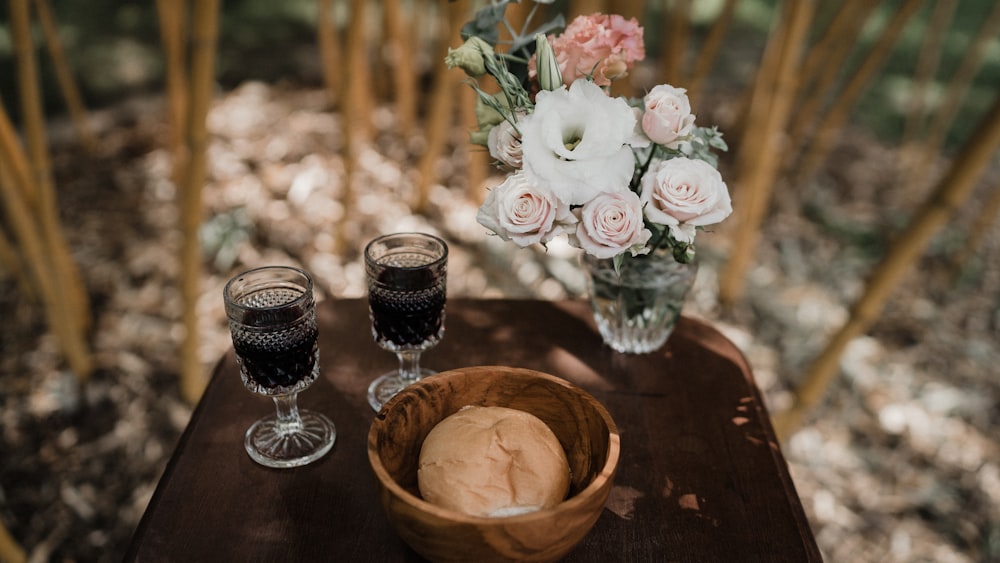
{"type": "Point", "coordinates": [114, 49]}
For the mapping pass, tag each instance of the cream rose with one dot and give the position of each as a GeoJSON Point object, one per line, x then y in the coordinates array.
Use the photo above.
{"type": "Point", "coordinates": [667, 119]}
{"type": "Point", "coordinates": [523, 212]}
{"type": "Point", "coordinates": [610, 224]}
{"type": "Point", "coordinates": [576, 142]}
{"type": "Point", "coordinates": [505, 144]}
{"type": "Point", "coordinates": [684, 193]}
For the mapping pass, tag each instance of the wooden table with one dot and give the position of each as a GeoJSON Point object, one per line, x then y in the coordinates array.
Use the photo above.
{"type": "Point", "coordinates": [701, 477]}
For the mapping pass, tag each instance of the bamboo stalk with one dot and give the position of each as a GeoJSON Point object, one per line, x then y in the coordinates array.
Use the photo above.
{"type": "Point", "coordinates": [10, 551]}
{"type": "Point", "coordinates": [825, 63]}
{"type": "Point", "coordinates": [477, 158]}
{"type": "Point", "coordinates": [585, 7]}
{"type": "Point", "coordinates": [32, 243]}
{"type": "Point", "coordinates": [958, 86]}
{"type": "Point", "coordinates": [356, 114]}
{"type": "Point", "coordinates": [70, 303]}
{"type": "Point", "coordinates": [710, 49]}
{"type": "Point", "coordinates": [171, 18]}
{"type": "Point", "coordinates": [977, 231]}
{"type": "Point", "coordinates": [754, 101]}
{"type": "Point", "coordinates": [10, 256]}
{"type": "Point", "coordinates": [64, 77]}
{"type": "Point", "coordinates": [834, 120]}
{"type": "Point", "coordinates": [760, 157]}
{"type": "Point", "coordinates": [15, 161]}
{"type": "Point", "coordinates": [927, 65]}
{"type": "Point", "coordinates": [441, 114]}
{"type": "Point", "coordinates": [31, 109]}
{"type": "Point", "coordinates": [401, 43]}
{"type": "Point", "coordinates": [951, 192]}
{"type": "Point", "coordinates": [357, 83]}
{"type": "Point", "coordinates": [838, 36]}
{"type": "Point", "coordinates": [329, 49]}
{"type": "Point", "coordinates": [204, 38]}
{"type": "Point", "coordinates": [674, 46]}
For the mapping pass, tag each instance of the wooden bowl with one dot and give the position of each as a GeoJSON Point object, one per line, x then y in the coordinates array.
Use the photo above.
{"type": "Point", "coordinates": [583, 426]}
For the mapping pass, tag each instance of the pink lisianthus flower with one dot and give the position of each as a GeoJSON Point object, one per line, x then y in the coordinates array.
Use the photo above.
{"type": "Point", "coordinates": [603, 47]}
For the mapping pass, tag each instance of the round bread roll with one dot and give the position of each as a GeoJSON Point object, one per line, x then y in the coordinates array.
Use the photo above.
{"type": "Point", "coordinates": [492, 461]}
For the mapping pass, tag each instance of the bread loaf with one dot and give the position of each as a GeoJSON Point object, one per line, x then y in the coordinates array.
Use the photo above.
{"type": "Point", "coordinates": [492, 461]}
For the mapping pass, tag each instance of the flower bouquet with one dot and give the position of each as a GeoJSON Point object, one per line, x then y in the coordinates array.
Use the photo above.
{"type": "Point", "coordinates": [628, 181]}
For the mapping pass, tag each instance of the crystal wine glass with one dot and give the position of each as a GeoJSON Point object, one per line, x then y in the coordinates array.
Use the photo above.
{"type": "Point", "coordinates": [407, 274]}
{"type": "Point", "coordinates": [272, 318]}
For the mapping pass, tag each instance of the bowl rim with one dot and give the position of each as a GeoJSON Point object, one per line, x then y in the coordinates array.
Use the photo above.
{"type": "Point", "coordinates": [600, 480]}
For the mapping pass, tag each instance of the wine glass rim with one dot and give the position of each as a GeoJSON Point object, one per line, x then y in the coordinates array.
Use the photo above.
{"type": "Point", "coordinates": [307, 292]}
{"type": "Point", "coordinates": [434, 238]}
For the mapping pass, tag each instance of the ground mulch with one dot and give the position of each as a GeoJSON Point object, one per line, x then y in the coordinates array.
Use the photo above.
{"type": "Point", "coordinates": [900, 463]}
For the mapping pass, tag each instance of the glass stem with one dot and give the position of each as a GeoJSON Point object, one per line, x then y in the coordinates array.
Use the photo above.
{"type": "Point", "coordinates": [409, 365]}
{"type": "Point", "coordinates": [288, 413]}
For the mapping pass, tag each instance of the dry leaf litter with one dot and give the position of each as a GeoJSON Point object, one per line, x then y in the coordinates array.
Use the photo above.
{"type": "Point", "coordinates": [900, 463]}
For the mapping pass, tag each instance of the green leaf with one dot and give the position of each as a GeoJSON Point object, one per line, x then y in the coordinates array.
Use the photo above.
{"type": "Point", "coordinates": [484, 24]}
{"type": "Point", "coordinates": [528, 39]}
{"type": "Point", "coordinates": [618, 260]}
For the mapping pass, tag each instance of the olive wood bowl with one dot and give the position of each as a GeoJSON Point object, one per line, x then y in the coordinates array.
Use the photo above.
{"type": "Point", "coordinates": [584, 428]}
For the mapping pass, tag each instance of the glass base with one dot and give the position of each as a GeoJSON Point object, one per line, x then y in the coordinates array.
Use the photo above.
{"type": "Point", "coordinates": [387, 385]}
{"type": "Point", "coordinates": [295, 445]}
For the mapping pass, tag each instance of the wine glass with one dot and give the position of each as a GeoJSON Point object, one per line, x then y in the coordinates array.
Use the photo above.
{"type": "Point", "coordinates": [272, 318]}
{"type": "Point", "coordinates": [406, 296]}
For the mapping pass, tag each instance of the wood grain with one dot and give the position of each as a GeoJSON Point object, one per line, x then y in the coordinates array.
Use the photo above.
{"type": "Point", "coordinates": [701, 476]}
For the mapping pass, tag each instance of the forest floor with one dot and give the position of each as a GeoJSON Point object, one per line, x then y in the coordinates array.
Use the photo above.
{"type": "Point", "coordinates": [901, 462]}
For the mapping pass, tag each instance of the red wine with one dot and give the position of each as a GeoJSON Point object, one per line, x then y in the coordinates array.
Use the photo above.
{"type": "Point", "coordinates": [407, 319]}
{"type": "Point", "coordinates": [278, 361]}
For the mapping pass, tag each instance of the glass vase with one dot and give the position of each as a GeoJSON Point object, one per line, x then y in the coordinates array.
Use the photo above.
{"type": "Point", "coordinates": [637, 307]}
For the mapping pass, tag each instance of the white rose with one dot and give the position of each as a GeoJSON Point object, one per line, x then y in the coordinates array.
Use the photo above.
{"type": "Point", "coordinates": [610, 224]}
{"type": "Point", "coordinates": [520, 211]}
{"type": "Point", "coordinates": [667, 119]}
{"type": "Point", "coordinates": [505, 144]}
{"type": "Point", "coordinates": [684, 193]}
{"type": "Point", "coordinates": [576, 142]}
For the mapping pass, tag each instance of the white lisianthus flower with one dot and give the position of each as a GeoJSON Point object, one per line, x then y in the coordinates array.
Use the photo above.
{"type": "Point", "coordinates": [576, 142]}
{"type": "Point", "coordinates": [610, 224]}
{"type": "Point", "coordinates": [505, 144]}
{"type": "Point", "coordinates": [521, 211]}
{"type": "Point", "coordinates": [667, 120]}
{"type": "Point", "coordinates": [684, 193]}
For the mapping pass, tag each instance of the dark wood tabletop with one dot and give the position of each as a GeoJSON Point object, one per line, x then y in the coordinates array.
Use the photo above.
{"type": "Point", "coordinates": [701, 476]}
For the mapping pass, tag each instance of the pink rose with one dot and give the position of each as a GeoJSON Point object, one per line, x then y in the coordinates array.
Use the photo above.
{"type": "Point", "coordinates": [667, 119]}
{"type": "Point", "coordinates": [505, 144]}
{"type": "Point", "coordinates": [520, 211]}
{"type": "Point", "coordinates": [684, 193]}
{"type": "Point", "coordinates": [602, 46]}
{"type": "Point", "coordinates": [610, 224]}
